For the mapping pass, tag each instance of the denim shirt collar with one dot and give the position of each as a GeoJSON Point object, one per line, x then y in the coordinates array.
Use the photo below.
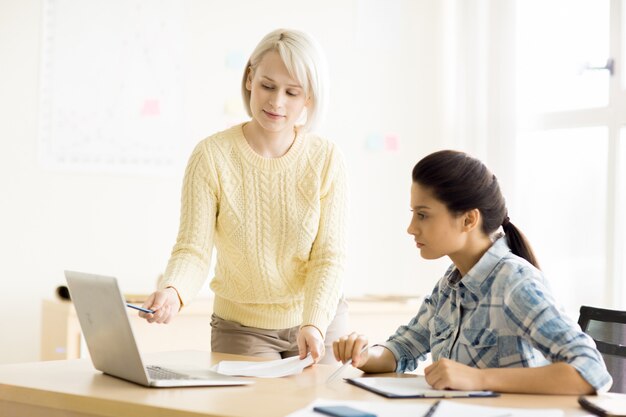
{"type": "Point", "coordinates": [475, 278]}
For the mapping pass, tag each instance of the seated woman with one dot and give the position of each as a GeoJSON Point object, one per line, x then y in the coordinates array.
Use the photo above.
{"type": "Point", "coordinates": [491, 321]}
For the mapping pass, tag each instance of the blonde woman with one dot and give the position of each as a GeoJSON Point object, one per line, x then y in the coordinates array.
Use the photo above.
{"type": "Point", "coordinates": [270, 195]}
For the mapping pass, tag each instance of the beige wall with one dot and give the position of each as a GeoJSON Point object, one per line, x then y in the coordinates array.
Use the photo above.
{"type": "Point", "coordinates": [126, 225]}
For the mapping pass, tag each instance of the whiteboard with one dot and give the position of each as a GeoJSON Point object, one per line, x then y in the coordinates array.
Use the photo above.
{"type": "Point", "coordinates": [112, 85]}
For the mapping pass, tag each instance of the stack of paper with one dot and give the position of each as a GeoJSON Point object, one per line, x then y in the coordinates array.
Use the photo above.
{"type": "Point", "coordinates": [267, 369]}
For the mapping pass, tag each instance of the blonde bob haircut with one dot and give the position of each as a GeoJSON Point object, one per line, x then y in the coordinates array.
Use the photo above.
{"type": "Point", "coordinates": [305, 62]}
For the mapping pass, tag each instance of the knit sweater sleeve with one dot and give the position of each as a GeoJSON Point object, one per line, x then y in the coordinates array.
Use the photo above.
{"type": "Point", "coordinates": [189, 262]}
{"type": "Point", "coordinates": [324, 278]}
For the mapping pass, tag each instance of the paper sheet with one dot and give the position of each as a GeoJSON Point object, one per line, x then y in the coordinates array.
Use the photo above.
{"type": "Point", "coordinates": [267, 369]}
{"type": "Point", "coordinates": [612, 403]}
{"type": "Point", "coordinates": [446, 408]}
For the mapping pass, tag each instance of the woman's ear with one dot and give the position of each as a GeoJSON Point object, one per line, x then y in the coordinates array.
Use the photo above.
{"type": "Point", "coordinates": [249, 79]}
{"type": "Point", "coordinates": [471, 219]}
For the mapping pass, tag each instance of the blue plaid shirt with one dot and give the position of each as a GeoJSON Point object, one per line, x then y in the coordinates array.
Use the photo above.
{"type": "Point", "coordinates": [501, 314]}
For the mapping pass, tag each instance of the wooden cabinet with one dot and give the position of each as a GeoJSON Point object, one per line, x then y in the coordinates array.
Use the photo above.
{"type": "Point", "coordinates": [379, 317]}
{"type": "Point", "coordinates": [61, 338]}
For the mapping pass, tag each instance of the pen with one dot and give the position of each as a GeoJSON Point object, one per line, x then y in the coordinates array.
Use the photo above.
{"type": "Point", "coordinates": [145, 310]}
{"type": "Point", "coordinates": [344, 366]}
{"type": "Point", "coordinates": [432, 409]}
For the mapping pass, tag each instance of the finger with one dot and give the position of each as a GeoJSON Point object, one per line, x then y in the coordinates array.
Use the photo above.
{"type": "Point", "coordinates": [315, 352]}
{"type": "Point", "coordinates": [359, 344]}
{"type": "Point", "coordinates": [439, 379]}
{"type": "Point", "coordinates": [153, 317]}
{"type": "Point", "coordinates": [321, 348]}
{"type": "Point", "coordinates": [350, 343]}
{"type": "Point", "coordinates": [359, 359]}
{"type": "Point", "coordinates": [342, 349]}
{"type": "Point", "coordinates": [166, 313]}
{"type": "Point", "coordinates": [160, 299]}
{"type": "Point", "coordinates": [338, 347]}
{"type": "Point", "coordinates": [170, 316]}
{"type": "Point", "coordinates": [315, 344]}
{"type": "Point", "coordinates": [144, 315]}
{"type": "Point", "coordinates": [430, 368]}
{"type": "Point", "coordinates": [154, 300]}
{"type": "Point", "coordinates": [336, 350]}
{"type": "Point", "coordinates": [301, 346]}
{"type": "Point", "coordinates": [147, 304]}
{"type": "Point", "coordinates": [161, 314]}
{"type": "Point", "coordinates": [442, 383]}
{"type": "Point", "coordinates": [431, 378]}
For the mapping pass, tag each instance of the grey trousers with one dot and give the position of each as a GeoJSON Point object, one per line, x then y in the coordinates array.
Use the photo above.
{"type": "Point", "coordinates": [232, 337]}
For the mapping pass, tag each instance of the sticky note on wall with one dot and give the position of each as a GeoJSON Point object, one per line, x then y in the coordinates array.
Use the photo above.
{"type": "Point", "coordinates": [378, 142]}
{"type": "Point", "coordinates": [151, 107]}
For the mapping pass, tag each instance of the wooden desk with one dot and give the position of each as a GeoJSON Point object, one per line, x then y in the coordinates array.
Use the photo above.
{"type": "Point", "coordinates": [73, 388]}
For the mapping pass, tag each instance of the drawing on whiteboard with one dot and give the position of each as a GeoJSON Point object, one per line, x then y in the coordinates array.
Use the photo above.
{"type": "Point", "coordinates": [112, 86]}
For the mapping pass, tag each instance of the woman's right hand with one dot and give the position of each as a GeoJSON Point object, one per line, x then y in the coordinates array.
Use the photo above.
{"type": "Point", "coordinates": [351, 347]}
{"type": "Point", "coordinates": [165, 303]}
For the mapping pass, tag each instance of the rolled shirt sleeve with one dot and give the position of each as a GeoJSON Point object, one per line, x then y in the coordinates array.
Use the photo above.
{"type": "Point", "coordinates": [532, 312]}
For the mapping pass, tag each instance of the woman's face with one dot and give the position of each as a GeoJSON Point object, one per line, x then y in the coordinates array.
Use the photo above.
{"type": "Point", "coordinates": [276, 99]}
{"type": "Point", "coordinates": [436, 231]}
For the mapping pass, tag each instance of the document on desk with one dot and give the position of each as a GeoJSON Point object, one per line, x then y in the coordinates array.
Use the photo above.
{"type": "Point", "coordinates": [604, 404]}
{"type": "Point", "coordinates": [445, 409]}
{"type": "Point", "coordinates": [266, 369]}
{"type": "Point", "coordinates": [409, 387]}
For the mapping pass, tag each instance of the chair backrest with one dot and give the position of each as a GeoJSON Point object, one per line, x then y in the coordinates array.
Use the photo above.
{"type": "Point", "coordinates": [608, 330]}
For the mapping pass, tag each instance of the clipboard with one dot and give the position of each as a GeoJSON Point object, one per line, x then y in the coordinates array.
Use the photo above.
{"type": "Point", "coordinates": [411, 387]}
{"type": "Point", "coordinates": [604, 405]}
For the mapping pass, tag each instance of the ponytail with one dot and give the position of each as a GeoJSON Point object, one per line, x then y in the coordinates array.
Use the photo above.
{"type": "Point", "coordinates": [518, 243]}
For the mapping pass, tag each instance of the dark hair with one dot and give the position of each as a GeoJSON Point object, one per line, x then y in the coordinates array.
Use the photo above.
{"type": "Point", "coordinates": [464, 183]}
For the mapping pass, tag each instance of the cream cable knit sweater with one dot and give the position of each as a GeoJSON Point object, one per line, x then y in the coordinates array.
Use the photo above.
{"type": "Point", "coordinates": [278, 225]}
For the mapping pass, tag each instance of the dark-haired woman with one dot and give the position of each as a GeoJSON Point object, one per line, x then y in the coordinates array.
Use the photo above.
{"type": "Point", "coordinates": [491, 322]}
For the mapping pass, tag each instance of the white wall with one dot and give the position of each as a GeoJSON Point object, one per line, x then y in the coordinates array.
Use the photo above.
{"type": "Point", "coordinates": [125, 225]}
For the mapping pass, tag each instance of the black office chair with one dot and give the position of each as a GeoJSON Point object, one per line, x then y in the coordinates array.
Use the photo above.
{"type": "Point", "coordinates": [608, 330]}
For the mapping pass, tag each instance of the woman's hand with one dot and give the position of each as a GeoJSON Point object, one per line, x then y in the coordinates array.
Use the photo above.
{"type": "Point", "coordinates": [351, 347]}
{"type": "Point", "coordinates": [165, 303]}
{"type": "Point", "coordinates": [449, 374]}
{"type": "Point", "coordinates": [310, 339]}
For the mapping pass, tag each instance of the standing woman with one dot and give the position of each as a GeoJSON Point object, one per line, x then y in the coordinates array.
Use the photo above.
{"type": "Point", "coordinates": [271, 196]}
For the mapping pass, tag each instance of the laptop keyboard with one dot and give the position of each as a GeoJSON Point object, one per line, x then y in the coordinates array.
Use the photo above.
{"type": "Point", "coordinates": [156, 372]}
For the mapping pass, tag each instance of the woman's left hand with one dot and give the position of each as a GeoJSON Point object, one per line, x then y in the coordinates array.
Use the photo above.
{"type": "Point", "coordinates": [310, 339]}
{"type": "Point", "coordinates": [449, 374]}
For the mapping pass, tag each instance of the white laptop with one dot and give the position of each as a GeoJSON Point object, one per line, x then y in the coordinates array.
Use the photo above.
{"type": "Point", "coordinates": [103, 318]}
